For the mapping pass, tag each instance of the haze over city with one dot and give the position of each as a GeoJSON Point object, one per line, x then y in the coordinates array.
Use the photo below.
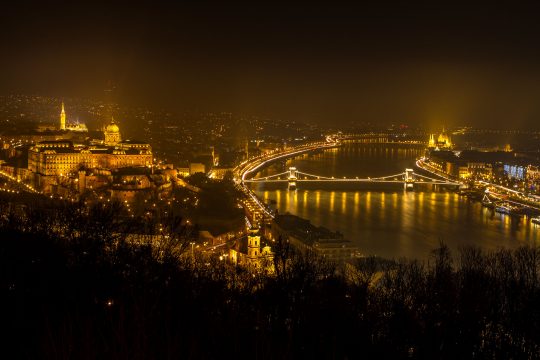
{"type": "Point", "coordinates": [418, 63]}
{"type": "Point", "coordinates": [269, 180]}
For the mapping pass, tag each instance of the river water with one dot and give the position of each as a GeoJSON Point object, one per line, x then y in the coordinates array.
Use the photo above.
{"type": "Point", "coordinates": [389, 222]}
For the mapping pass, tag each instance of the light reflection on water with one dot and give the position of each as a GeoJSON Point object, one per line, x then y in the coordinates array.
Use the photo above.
{"type": "Point", "coordinates": [391, 223]}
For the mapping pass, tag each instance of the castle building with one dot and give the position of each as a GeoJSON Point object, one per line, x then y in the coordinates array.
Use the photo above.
{"type": "Point", "coordinates": [112, 134]}
{"type": "Point", "coordinates": [50, 160]}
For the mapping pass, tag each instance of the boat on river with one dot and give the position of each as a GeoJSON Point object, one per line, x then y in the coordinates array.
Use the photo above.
{"type": "Point", "coordinates": [536, 220]}
{"type": "Point", "coordinates": [507, 209]}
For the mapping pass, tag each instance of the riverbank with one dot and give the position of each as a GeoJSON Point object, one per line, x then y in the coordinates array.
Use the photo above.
{"type": "Point", "coordinates": [391, 223]}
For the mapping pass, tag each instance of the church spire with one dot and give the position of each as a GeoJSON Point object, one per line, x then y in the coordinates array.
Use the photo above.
{"type": "Point", "coordinates": [63, 118]}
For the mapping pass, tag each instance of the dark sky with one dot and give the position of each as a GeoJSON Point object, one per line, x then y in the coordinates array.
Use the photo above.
{"type": "Point", "coordinates": [431, 63]}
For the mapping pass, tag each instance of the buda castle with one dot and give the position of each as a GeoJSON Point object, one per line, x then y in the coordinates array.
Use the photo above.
{"type": "Point", "coordinates": [50, 161]}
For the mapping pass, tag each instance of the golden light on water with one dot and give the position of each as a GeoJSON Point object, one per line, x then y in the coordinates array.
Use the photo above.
{"type": "Point", "coordinates": [356, 203]}
{"type": "Point", "coordinates": [399, 223]}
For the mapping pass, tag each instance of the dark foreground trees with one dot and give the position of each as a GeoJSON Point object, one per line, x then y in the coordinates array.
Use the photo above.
{"type": "Point", "coordinates": [91, 294]}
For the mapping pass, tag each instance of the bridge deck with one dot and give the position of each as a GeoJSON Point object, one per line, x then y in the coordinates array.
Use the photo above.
{"type": "Point", "coordinates": [350, 180]}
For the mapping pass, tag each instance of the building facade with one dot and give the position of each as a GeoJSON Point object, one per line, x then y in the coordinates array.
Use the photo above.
{"type": "Point", "coordinates": [443, 141]}
{"type": "Point", "coordinates": [252, 251]}
{"type": "Point", "coordinates": [52, 159]}
{"type": "Point", "coordinates": [65, 126]}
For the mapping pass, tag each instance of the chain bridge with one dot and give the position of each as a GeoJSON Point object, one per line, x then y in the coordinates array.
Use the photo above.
{"type": "Point", "coordinates": [294, 177]}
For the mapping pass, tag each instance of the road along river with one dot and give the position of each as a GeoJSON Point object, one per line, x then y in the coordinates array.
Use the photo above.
{"type": "Point", "coordinates": [389, 223]}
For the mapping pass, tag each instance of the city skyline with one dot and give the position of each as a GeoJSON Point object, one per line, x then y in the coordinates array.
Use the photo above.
{"type": "Point", "coordinates": [418, 64]}
{"type": "Point", "coordinates": [272, 181]}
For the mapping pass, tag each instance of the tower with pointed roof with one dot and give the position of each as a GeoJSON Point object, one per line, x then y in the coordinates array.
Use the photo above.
{"type": "Point", "coordinates": [63, 118]}
{"type": "Point", "coordinates": [432, 143]}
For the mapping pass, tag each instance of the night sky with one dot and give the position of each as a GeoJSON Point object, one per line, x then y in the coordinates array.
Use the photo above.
{"type": "Point", "coordinates": [424, 64]}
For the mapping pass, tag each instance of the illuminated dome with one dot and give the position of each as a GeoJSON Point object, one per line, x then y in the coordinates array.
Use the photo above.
{"type": "Point", "coordinates": [443, 141]}
{"type": "Point", "coordinates": [112, 127]}
{"type": "Point", "coordinates": [112, 133]}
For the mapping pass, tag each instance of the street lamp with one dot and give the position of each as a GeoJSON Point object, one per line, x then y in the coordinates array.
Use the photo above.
{"type": "Point", "coordinates": [192, 253]}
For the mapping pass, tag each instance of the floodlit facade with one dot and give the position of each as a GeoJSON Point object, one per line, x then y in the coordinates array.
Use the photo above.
{"type": "Point", "coordinates": [252, 251]}
{"type": "Point", "coordinates": [48, 160]}
{"type": "Point", "coordinates": [112, 133]}
{"type": "Point", "coordinates": [64, 125]}
{"type": "Point", "coordinates": [443, 141]}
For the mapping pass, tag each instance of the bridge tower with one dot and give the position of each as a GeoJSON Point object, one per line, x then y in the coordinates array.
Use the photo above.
{"type": "Point", "coordinates": [292, 178]}
{"type": "Point", "coordinates": [409, 180]}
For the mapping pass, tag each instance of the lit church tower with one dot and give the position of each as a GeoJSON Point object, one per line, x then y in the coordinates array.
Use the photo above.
{"type": "Point", "coordinates": [63, 118]}
{"type": "Point", "coordinates": [254, 245]}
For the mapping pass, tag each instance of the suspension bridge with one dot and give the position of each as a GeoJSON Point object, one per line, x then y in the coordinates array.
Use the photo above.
{"type": "Point", "coordinates": [408, 178]}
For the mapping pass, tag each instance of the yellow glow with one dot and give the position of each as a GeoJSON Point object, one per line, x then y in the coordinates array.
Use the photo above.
{"type": "Point", "coordinates": [356, 202]}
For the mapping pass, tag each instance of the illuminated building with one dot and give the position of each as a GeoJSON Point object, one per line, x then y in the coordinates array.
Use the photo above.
{"type": "Point", "coordinates": [252, 251]}
{"type": "Point", "coordinates": [479, 169]}
{"type": "Point", "coordinates": [63, 118]}
{"type": "Point", "coordinates": [515, 171]}
{"type": "Point", "coordinates": [443, 141]}
{"type": "Point", "coordinates": [49, 160]}
{"type": "Point", "coordinates": [195, 168]}
{"type": "Point", "coordinates": [219, 172]}
{"type": "Point", "coordinates": [533, 173]}
{"type": "Point", "coordinates": [432, 143]}
{"type": "Point", "coordinates": [64, 125]}
{"type": "Point", "coordinates": [112, 133]}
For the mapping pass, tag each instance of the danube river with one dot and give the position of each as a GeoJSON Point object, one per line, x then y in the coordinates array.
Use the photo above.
{"type": "Point", "coordinates": [390, 223]}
